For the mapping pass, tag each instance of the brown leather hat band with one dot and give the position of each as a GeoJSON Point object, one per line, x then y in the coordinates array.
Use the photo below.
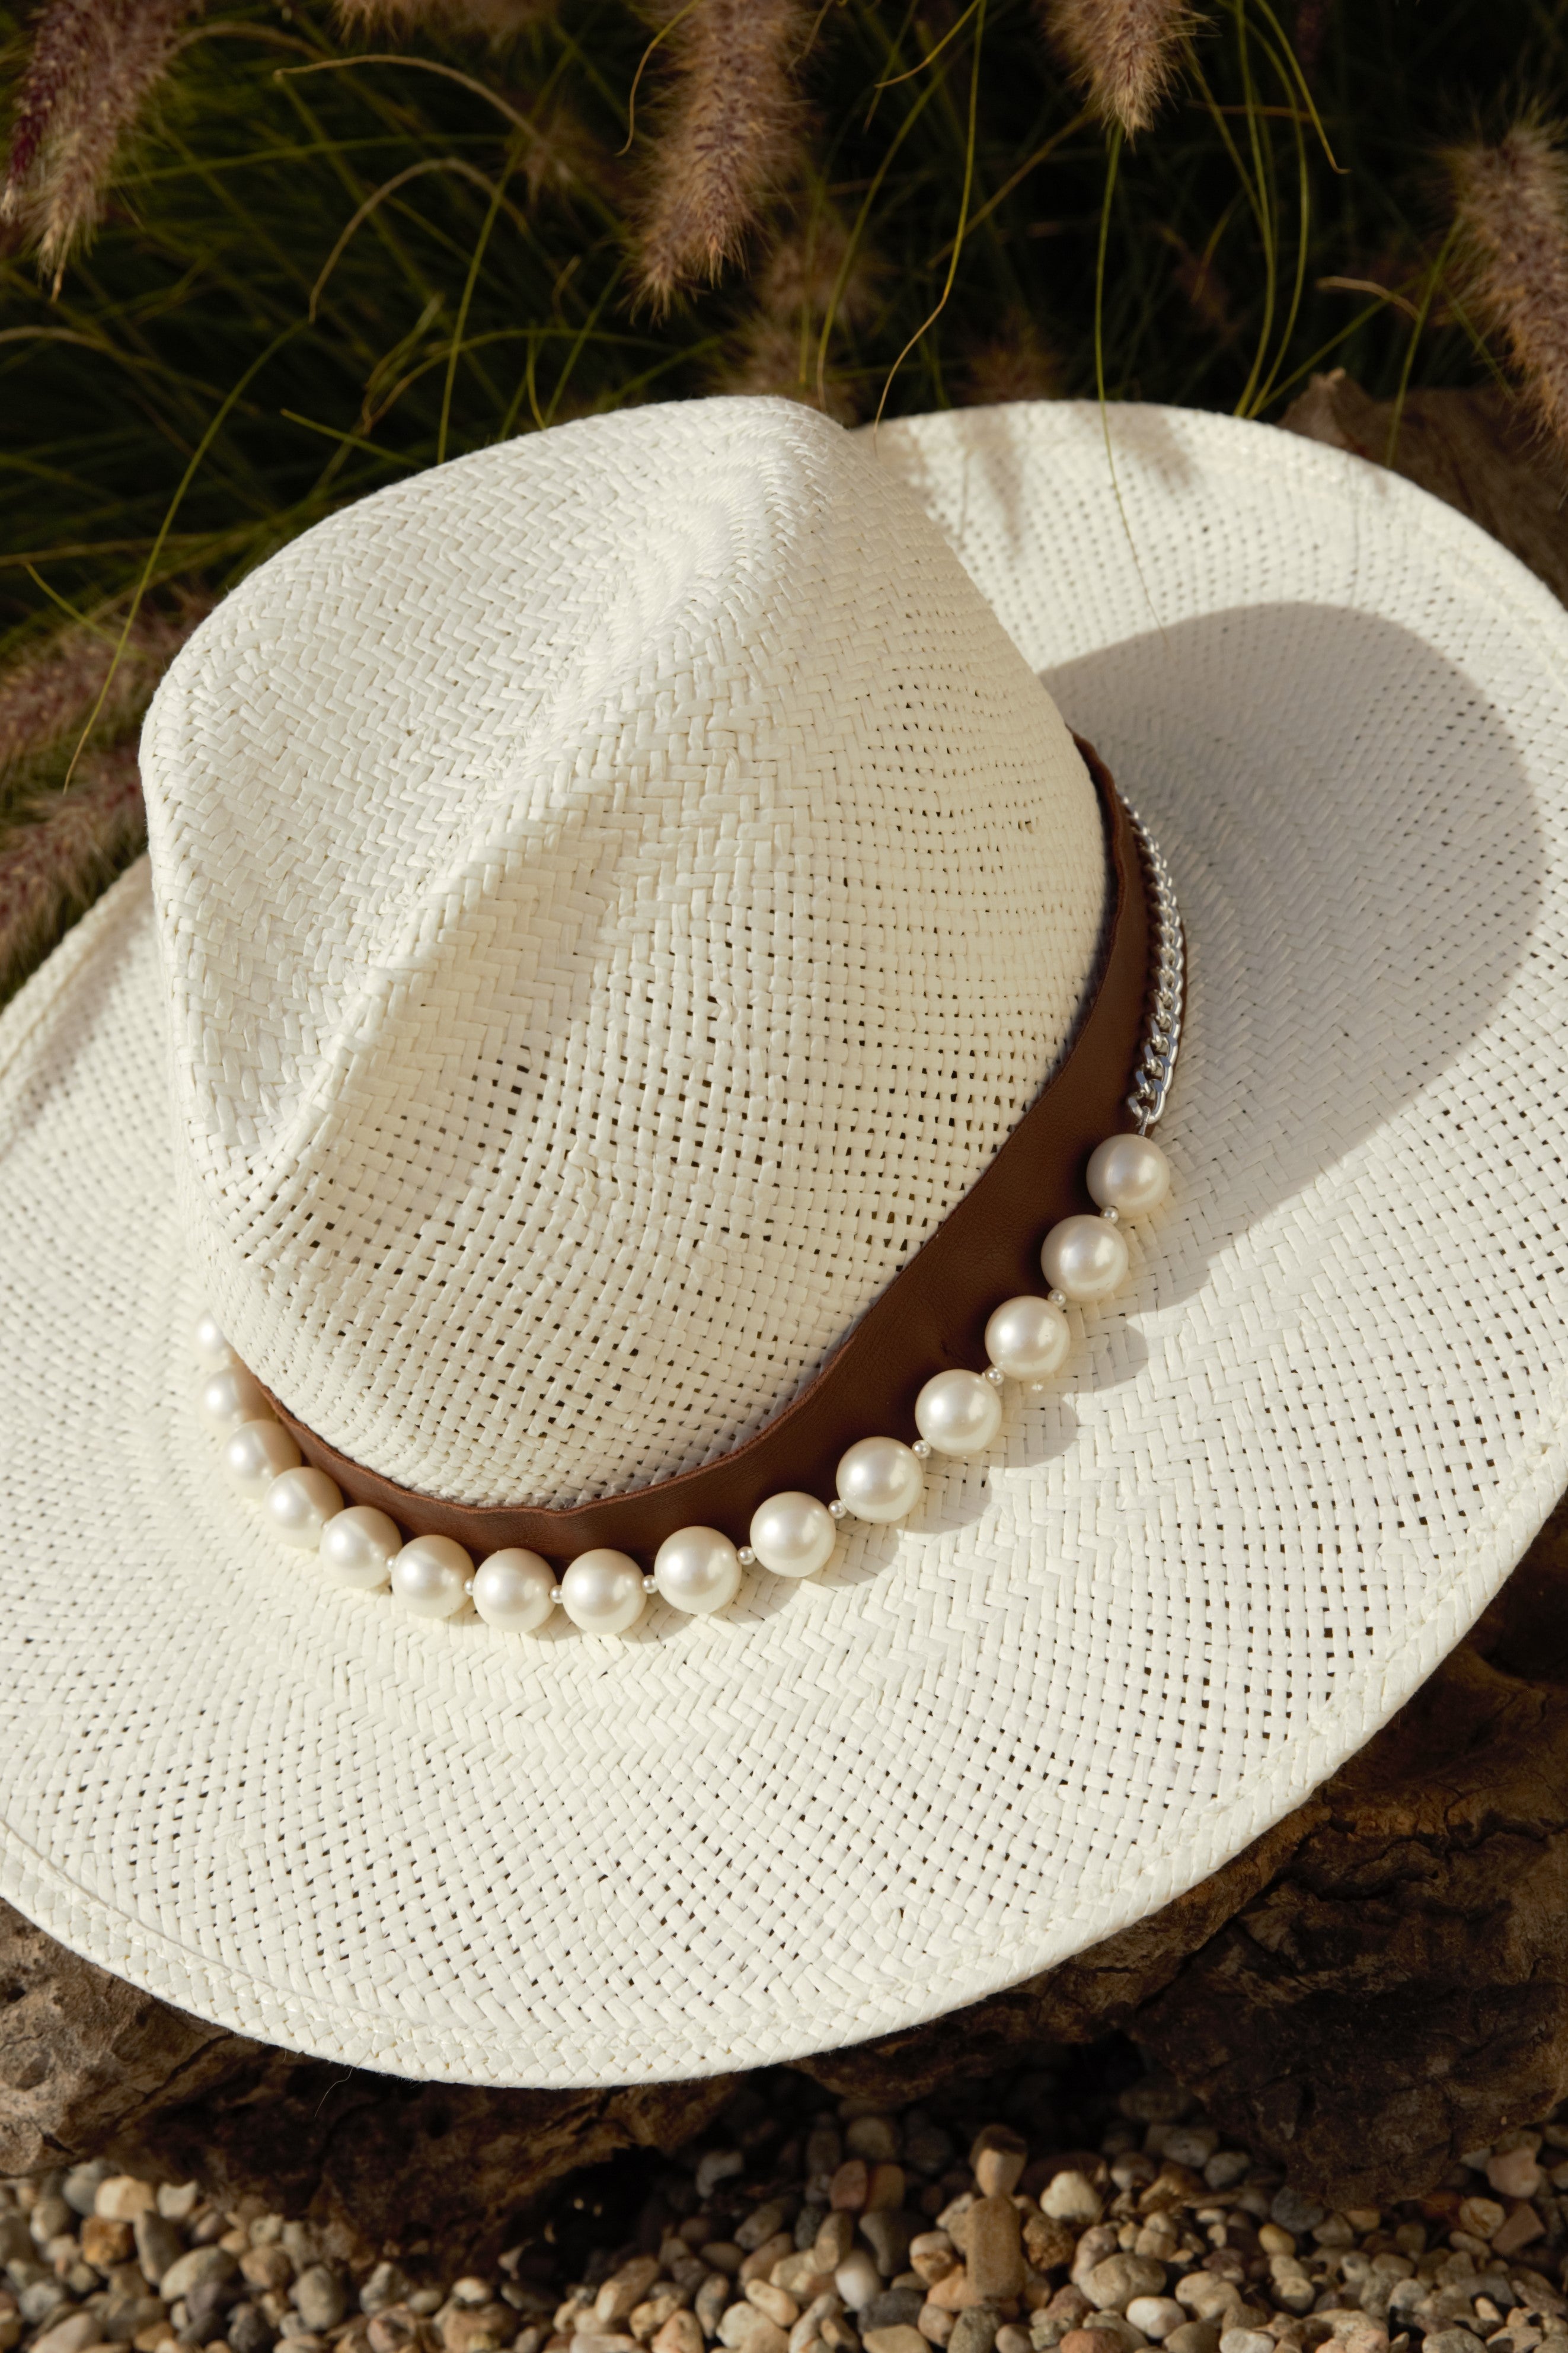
{"type": "Point", "coordinates": [932, 1313]}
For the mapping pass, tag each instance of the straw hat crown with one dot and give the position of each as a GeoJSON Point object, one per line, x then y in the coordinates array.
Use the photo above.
{"type": "Point", "coordinates": [616, 892]}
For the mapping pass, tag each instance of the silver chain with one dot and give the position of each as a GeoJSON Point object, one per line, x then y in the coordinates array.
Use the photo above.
{"type": "Point", "coordinates": [1163, 1036]}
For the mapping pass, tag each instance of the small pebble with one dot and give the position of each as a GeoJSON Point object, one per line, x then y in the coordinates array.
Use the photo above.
{"type": "Point", "coordinates": [1155, 2317]}
{"type": "Point", "coordinates": [120, 2197]}
{"type": "Point", "coordinates": [79, 2188]}
{"type": "Point", "coordinates": [997, 2160]}
{"type": "Point", "coordinates": [190, 2270]}
{"type": "Point", "coordinates": [891, 2307]}
{"type": "Point", "coordinates": [899, 2339]}
{"type": "Point", "coordinates": [1113, 2283]}
{"type": "Point", "coordinates": [974, 2330]}
{"type": "Point", "coordinates": [159, 2245]}
{"type": "Point", "coordinates": [320, 2297]}
{"type": "Point", "coordinates": [1090, 2340]}
{"type": "Point", "coordinates": [1071, 2198]}
{"type": "Point", "coordinates": [856, 2279]}
{"type": "Point", "coordinates": [778, 2305]}
{"type": "Point", "coordinates": [71, 2335]}
{"type": "Point", "coordinates": [765, 2223]}
{"type": "Point", "coordinates": [995, 2252]}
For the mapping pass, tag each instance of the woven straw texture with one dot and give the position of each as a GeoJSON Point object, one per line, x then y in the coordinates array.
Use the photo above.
{"type": "Point", "coordinates": [673, 886]}
{"type": "Point", "coordinates": [1283, 1472]}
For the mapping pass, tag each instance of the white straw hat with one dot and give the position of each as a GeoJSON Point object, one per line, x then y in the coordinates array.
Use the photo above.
{"type": "Point", "coordinates": [610, 900]}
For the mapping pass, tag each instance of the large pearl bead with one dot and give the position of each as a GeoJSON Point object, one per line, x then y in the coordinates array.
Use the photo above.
{"type": "Point", "coordinates": [1027, 1337]}
{"type": "Point", "coordinates": [1129, 1174]}
{"type": "Point", "coordinates": [1084, 1257]}
{"type": "Point", "coordinates": [233, 1396]}
{"type": "Point", "coordinates": [358, 1547]}
{"type": "Point", "coordinates": [213, 1350]}
{"type": "Point", "coordinates": [514, 1590]}
{"type": "Point", "coordinates": [603, 1591]}
{"type": "Point", "coordinates": [299, 1504]}
{"type": "Point", "coordinates": [879, 1479]}
{"type": "Point", "coordinates": [793, 1534]}
{"type": "Point", "coordinates": [257, 1453]}
{"type": "Point", "coordinates": [430, 1575]}
{"type": "Point", "coordinates": [697, 1570]}
{"type": "Point", "coordinates": [958, 1412]}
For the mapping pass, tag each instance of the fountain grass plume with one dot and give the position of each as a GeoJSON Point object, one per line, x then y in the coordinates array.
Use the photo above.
{"type": "Point", "coordinates": [1123, 52]}
{"type": "Point", "coordinates": [728, 135]}
{"type": "Point", "coordinates": [47, 693]}
{"type": "Point", "coordinates": [67, 848]}
{"type": "Point", "coordinates": [496, 18]}
{"type": "Point", "coordinates": [92, 68]}
{"type": "Point", "coordinates": [1511, 229]}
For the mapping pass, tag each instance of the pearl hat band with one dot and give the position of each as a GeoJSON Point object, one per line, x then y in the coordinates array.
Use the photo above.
{"type": "Point", "coordinates": [697, 1569]}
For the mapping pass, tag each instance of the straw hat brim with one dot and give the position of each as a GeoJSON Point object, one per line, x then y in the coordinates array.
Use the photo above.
{"type": "Point", "coordinates": [1282, 1475]}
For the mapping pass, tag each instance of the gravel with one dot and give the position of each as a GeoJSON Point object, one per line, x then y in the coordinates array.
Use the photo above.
{"type": "Point", "coordinates": [1026, 2217]}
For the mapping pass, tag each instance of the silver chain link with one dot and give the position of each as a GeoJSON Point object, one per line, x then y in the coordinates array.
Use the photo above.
{"type": "Point", "coordinates": [1163, 1036]}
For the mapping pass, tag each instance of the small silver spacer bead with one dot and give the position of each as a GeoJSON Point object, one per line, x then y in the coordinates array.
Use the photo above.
{"type": "Point", "coordinates": [556, 1596]}
{"type": "Point", "coordinates": [994, 1373]}
{"type": "Point", "coordinates": [746, 1556]}
{"type": "Point", "coordinates": [920, 1448]}
{"type": "Point", "coordinates": [650, 1585]}
{"type": "Point", "coordinates": [1112, 1216]}
{"type": "Point", "coordinates": [839, 1511]}
{"type": "Point", "coordinates": [1057, 1298]}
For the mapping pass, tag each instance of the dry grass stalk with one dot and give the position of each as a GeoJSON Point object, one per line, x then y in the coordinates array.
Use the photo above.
{"type": "Point", "coordinates": [48, 694]}
{"type": "Point", "coordinates": [496, 18]}
{"type": "Point", "coordinates": [776, 348]}
{"type": "Point", "coordinates": [58, 860]}
{"type": "Point", "coordinates": [1123, 52]}
{"type": "Point", "coordinates": [1511, 219]}
{"type": "Point", "coordinates": [91, 70]}
{"type": "Point", "coordinates": [726, 139]}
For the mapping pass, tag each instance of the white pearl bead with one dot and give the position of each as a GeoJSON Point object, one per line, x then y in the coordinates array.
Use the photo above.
{"type": "Point", "coordinates": [299, 1504]}
{"type": "Point", "coordinates": [1129, 1174]}
{"type": "Point", "coordinates": [603, 1591]}
{"type": "Point", "coordinates": [256, 1453]}
{"type": "Point", "coordinates": [1027, 1337]}
{"type": "Point", "coordinates": [213, 1350]}
{"type": "Point", "coordinates": [697, 1570]}
{"type": "Point", "coordinates": [879, 1479]}
{"type": "Point", "coordinates": [430, 1575]}
{"type": "Point", "coordinates": [958, 1412]}
{"type": "Point", "coordinates": [359, 1546]}
{"type": "Point", "coordinates": [793, 1534]}
{"type": "Point", "coordinates": [233, 1396]}
{"type": "Point", "coordinates": [514, 1589]}
{"type": "Point", "coordinates": [1085, 1258]}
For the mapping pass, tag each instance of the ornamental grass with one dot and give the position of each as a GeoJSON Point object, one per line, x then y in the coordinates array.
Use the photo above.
{"type": "Point", "coordinates": [260, 258]}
